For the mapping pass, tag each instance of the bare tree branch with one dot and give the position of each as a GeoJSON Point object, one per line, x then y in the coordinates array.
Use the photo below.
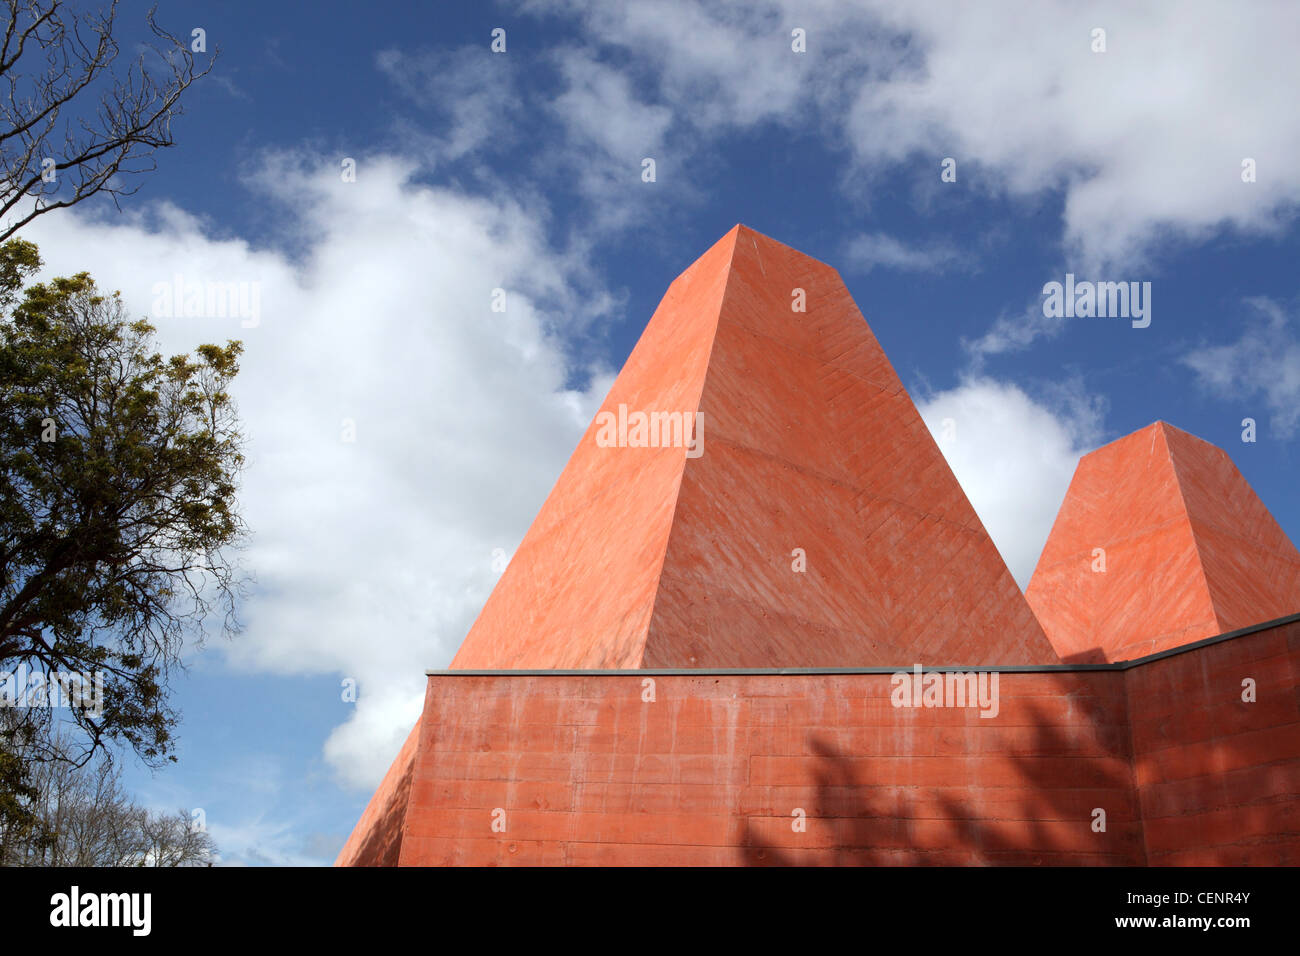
{"type": "Point", "coordinates": [71, 126]}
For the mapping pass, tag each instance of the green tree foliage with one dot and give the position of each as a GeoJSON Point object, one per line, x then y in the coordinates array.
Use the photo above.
{"type": "Point", "coordinates": [118, 474]}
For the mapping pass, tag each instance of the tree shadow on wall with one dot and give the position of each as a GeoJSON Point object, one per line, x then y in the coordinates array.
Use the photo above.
{"type": "Point", "coordinates": [1032, 804]}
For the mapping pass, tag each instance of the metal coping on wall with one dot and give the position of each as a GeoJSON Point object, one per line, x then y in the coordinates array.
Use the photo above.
{"type": "Point", "coordinates": [964, 668]}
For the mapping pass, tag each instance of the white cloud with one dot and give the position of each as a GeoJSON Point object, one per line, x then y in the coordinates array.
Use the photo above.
{"type": "Point", "coordinates": [713, 64]}
{"type": "Point", "coordinates": [372, 558]}
{"type": "Point", "coordinates": [1012, 332]}
{"type": "Point", "coordinates": [602, 109]}
{"type": "Point", "coordinates": [1014, 457]}
{"type": "Point", "coordinates": [609, 131]}
{"type": "Point", "coordinates": [874, 249]}
{"type": "Point", "coordinates": [1145, 140]}
{"type": "Point", "coordinates": [471, 88]}
{"type": "Point", "coordinates": [1263, 365]}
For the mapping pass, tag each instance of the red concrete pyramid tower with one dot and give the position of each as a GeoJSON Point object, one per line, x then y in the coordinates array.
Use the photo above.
{"type": "Point", "coordinates": [812, 453]}
{"type": "Point", "coordinates": [1190, 551]}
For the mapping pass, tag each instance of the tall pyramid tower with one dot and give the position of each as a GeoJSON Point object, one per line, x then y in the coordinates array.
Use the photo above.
{"type": "Point", "coordinates": [1189, 551]}
{"type": "Point", "coordinates": [820, 526]}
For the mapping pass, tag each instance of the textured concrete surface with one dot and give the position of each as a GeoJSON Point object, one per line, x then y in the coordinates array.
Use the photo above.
{"type": "Point", "coordinates": [1219, 778]}
{"type": "Point", "coordinates": [646, 558]}
{"type": "Point", "coordinates": [581, 769]}
{"type": "Point", "coordinates": [643, 557]}
{"type": "Point", "coordinates": [1190, 551]}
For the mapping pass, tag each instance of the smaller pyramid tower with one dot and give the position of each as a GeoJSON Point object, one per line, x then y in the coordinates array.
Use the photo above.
{"type": "Point", "coordinates": [1160, 542]}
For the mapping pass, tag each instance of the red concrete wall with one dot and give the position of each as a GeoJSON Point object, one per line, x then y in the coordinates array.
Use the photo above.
{"type": "Point", "coordinates": [711, 772]}
{"type": "Point", "coordinates": [1219, 778]}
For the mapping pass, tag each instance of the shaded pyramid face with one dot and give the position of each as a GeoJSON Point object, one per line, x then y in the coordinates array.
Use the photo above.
{"type": "Point", "coordinates": [819, 526]}
{"type": "Point", "coordinates": [1189, 551]}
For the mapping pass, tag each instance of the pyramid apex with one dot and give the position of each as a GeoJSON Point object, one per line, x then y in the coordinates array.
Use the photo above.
{"type": "Point", "coordinates": [1185, 439]}
{"type": "Point", "coordinates": [1170, 429]}
{"type": "Point", "coordinates": [1158, 427]}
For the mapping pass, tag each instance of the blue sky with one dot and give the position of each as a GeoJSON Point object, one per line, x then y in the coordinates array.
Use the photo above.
{"type": "Point", "coordinates": [522, 170]}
